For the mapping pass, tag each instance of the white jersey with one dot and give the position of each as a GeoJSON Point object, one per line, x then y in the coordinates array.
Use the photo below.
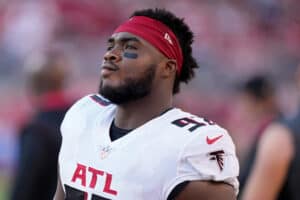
{"type": "Point", "coordinates": [147, 163]}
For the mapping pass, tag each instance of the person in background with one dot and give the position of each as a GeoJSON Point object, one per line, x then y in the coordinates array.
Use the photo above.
{"type": "Point", "coordinates": [258, 97]}
{"type": "Point", "coordinates": [275, 173]}
{"type": "Point", "coordinates": [129, 142]}
{"type": "Point", "coordinates": [40, 138]}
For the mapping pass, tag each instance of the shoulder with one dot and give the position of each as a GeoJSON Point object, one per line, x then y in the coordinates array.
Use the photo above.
{"type": "Point", "coordinates": [89, 103]}
{"type": "Point", "coordinates": [84, 109]}
{"type": "Point", "coordinates": [207, 154]}
{"type": "Point", "coordinates": [207, 139]}
{"type": "Point", "coordinates": [276, 136]}
{"type": "Point", "coordinates": [94, 100]}
{"type": "Point", "coordinates": [275, 152]}
{"type": "Point", "coordinates": [202, 132]}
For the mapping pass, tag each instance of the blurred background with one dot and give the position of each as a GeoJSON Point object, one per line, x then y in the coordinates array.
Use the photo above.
{"type": "Point", "coordinates": [235, 40]}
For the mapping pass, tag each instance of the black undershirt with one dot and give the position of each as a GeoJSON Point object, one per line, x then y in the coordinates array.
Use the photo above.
{"type": "Point", "coordinates": [116, 133]}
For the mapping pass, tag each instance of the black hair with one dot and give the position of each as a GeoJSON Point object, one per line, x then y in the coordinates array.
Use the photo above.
{"type": "Point", "coordinates": [184, 36]}
{"type": "Point", "coordinates": [258, 86]}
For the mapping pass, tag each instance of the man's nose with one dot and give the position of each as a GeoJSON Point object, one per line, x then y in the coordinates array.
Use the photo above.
{"type": "Point", "coordinates": [113, 55]}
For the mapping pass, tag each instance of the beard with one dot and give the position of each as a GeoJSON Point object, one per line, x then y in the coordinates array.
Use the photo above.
{"type": "Point", "coordinates": [131, 89]}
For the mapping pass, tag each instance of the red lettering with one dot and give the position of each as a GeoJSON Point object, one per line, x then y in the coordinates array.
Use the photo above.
{"type": "Point", "coordinates": [80, 173]}
{"type": "Point", "coordinates": [107, 188]}
{"type": "Point", "coordinates": [95, 172]}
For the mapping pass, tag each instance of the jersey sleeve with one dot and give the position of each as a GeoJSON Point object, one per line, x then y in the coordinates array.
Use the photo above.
{"type": "Point", "coordinates": [209, 155]}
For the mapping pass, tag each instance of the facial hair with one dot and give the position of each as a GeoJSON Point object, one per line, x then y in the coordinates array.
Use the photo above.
{"type": "Point", "coordinates": [131, 89]}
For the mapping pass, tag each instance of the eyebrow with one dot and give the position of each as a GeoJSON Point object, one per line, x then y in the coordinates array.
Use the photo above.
{"type": "Point", "coordinates": [124, 39]}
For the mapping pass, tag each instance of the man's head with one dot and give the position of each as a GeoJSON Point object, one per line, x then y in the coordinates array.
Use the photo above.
{"type": "Point", "coordinates": [152, 48]}
{"type": "Point", "coordinates": [46, 73]}
{"type": "Point", "coordinates": [258, 95]}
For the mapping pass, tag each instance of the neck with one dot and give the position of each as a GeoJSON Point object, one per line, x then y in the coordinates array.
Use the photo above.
{"type": "Point", "coordinates": [134, 114]}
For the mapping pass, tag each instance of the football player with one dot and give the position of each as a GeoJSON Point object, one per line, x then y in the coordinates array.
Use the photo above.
{"type": "Point", "coordinates": [128, 142]}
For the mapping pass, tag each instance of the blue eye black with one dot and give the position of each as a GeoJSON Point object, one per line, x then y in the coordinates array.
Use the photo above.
{"type": "Point", "coordinates": [130, 55]}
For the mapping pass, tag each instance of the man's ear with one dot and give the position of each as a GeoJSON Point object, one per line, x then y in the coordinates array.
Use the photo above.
{"type": "Point", "coordinates": [169, 68]}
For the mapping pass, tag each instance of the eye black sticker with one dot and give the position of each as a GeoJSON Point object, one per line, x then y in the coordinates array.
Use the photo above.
{"type": "Point", "coordinates": [130, 55]}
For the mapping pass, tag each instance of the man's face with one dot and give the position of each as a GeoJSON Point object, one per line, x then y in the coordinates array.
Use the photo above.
{"type": "Point", "coordinates": [128, 68]}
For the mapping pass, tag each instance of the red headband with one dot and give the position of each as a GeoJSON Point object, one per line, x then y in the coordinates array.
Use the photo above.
{"type": "Point", "coordinates": [157, 34]}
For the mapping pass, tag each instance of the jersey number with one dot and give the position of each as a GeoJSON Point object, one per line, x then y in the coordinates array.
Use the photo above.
{"type": "Point", "coordinates": [191, 123]}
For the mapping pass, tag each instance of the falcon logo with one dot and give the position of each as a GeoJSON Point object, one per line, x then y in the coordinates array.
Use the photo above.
{"type": "Point", "coordinates": [218, 156]}
{"type": "Point", "coordinates": [105, 151]}
{"type": "Point", "coordinates": [168, 38]}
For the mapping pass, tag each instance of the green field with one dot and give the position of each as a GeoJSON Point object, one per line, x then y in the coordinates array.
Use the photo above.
{"type": "Point", "coordinates": [4, 187]}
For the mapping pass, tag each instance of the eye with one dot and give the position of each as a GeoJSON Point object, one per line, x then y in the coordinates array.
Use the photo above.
{"type": "Point", "coordinates": [129, 46]}
{"type": "Point", "coordinates": [109, 47]}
